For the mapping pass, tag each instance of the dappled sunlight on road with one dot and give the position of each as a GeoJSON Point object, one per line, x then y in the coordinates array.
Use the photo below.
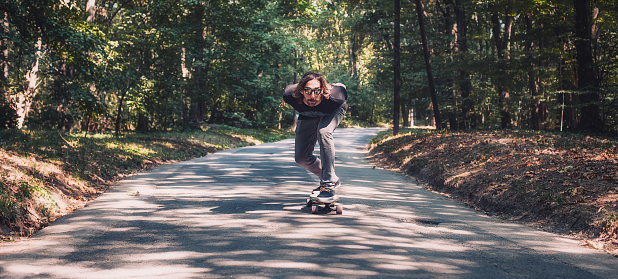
{"type": "Point", "coordinates": [241, 213]}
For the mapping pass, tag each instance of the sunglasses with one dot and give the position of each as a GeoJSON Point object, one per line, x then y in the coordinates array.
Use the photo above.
{"type": "Point", "coordinates": [309, 91]}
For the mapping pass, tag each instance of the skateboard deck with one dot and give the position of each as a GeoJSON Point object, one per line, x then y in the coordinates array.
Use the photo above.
{"type": "Point", "coordinates": [317, 206]}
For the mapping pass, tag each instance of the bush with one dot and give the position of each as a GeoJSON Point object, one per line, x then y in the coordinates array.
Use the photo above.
{"type": "Point", "coordinates": [237, 119]}
{"type": "Point", "coordinates": [8, 116]}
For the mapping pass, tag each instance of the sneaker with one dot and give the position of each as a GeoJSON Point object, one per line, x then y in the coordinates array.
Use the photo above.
{"type": "Point", "coordinates": [316, 191]}
{"type": "Point", "coordinates": [327, 195]}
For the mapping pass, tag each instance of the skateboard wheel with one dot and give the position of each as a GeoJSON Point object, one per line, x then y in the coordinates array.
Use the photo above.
{"type": "Point", "coordinates": [309, 202]}
{"type": "Point", "coordinates": [314, 209]}
{"type": "Point", "coordinates": [339, 209]}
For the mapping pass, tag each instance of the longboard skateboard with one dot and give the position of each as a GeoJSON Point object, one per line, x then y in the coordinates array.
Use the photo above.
{"type": "Point", "coordinates": [325, 206]}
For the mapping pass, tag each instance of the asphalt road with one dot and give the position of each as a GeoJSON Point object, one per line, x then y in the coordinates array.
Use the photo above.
{"type": "Point", "coordinates": [241, 214]}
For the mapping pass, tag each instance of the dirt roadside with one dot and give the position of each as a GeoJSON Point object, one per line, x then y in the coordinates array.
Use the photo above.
{"type": "Point", "coordinates": [562, 183]}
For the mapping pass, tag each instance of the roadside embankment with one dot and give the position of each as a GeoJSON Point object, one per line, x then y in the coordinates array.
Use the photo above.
{"type": "Point", "coordinates": [564, 183]}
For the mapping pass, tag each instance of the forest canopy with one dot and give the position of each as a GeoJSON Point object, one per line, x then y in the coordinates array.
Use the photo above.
{"type": "Point", "coordinates": [140, 65]}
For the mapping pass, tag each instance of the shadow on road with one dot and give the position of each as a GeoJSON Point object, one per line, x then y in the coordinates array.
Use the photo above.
{"type": "Point", "coordinates": [241, 213]}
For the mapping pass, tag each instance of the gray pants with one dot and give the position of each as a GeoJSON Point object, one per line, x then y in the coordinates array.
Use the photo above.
{"type": "Point", "coordinates": [319, 129]}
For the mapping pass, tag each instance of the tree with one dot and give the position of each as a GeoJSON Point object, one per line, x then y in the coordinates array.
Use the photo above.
{"type": "Point", "coordinates": [432, 87]}
{"type": "Point", "coordinates": [465, 86]}
{"type": "Point", "coordinates": [175, 64]}
{"type": "Point", "coordinates": [397, 67]}
{"type": "Point", "coordinates": [501, 41]}
{"type": "Point", "coordinates": [586, 80]}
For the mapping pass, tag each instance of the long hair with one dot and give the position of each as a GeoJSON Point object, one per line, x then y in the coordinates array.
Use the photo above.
{"type": "Point", "coordinates": [308, 77]}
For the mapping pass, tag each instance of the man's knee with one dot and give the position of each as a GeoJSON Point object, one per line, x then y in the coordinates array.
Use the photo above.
{"type": "Point", "coordinates": [299, 160]}
{"type": "Point", "coordinates": [302, 159]}
{"type": "Point", "coordinates": [326, 133]}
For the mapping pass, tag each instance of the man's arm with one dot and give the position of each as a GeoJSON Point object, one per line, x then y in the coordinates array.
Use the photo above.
{"type": "Point", "coordinates": [290, 89]}
{"type": "Point", "coordinates": [338, 93]}
{"type": "Point", "coordinates": [340, 84]}
{"type": "Point", "coordinates": [287, 94]}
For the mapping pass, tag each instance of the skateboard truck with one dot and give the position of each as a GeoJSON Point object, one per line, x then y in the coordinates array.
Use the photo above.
{"type": "Point", "coordinates": [327, 206]}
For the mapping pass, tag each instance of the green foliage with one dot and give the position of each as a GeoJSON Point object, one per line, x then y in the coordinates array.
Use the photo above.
{"type": "Point", "coordinates": [14, 195]}
{"type": "Point", "coordinates": [177, 64]}
{"type": "Point", "coordinates": [8, 209]}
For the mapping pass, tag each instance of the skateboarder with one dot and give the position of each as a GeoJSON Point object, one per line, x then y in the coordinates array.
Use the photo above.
{"type": "Point", "coordinates": [321, 107]}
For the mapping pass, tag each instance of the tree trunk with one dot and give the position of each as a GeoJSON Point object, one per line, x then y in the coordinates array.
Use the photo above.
{"type": "Point", "coordinates": [142, 123]}
{"type": "Point", "coordinates": [4, 49]}
{"type": "Point", "coordinates": [405, 114]}
{"type": "Point", "coordinates": [24, 101]}
{"type": "Point", "coordinates": [450, 28]}
{"type": "Point", "coordinates": [432, 86]}
{"type": "Point", "coordinates": [538, 108]}
{"type": "Point", "coordinates": [589, 97]}
{"type": "Point", "coordinates": [567, 111]}
{"type": "Point", "coordinates": [357, 41]}
{"type": "Point", "coordinates": [397, 67]}
{"type": "Point", "coordinates": [119, 115]}
{"type": "Point", "coordinates": [535, 121]}
{"type": "Point", "coordinates": [199, 76]}
{"type": "Point", "coordinates": [91, 10]}
{"type": "Point", "coordinates": [465, 85]}
{"type": "Point", "coordinates": [501, 45]}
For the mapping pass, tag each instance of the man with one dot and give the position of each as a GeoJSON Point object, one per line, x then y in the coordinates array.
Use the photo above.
{"type": "Point", "coordinates": [321, 107]}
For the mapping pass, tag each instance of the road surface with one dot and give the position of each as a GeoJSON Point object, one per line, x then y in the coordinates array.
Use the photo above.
{"type": "Point", "coordinates": [241, 214]}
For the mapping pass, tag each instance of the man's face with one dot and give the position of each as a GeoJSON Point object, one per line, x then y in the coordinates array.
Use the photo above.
{"type": "Point", "coordinates": [312, 99]}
